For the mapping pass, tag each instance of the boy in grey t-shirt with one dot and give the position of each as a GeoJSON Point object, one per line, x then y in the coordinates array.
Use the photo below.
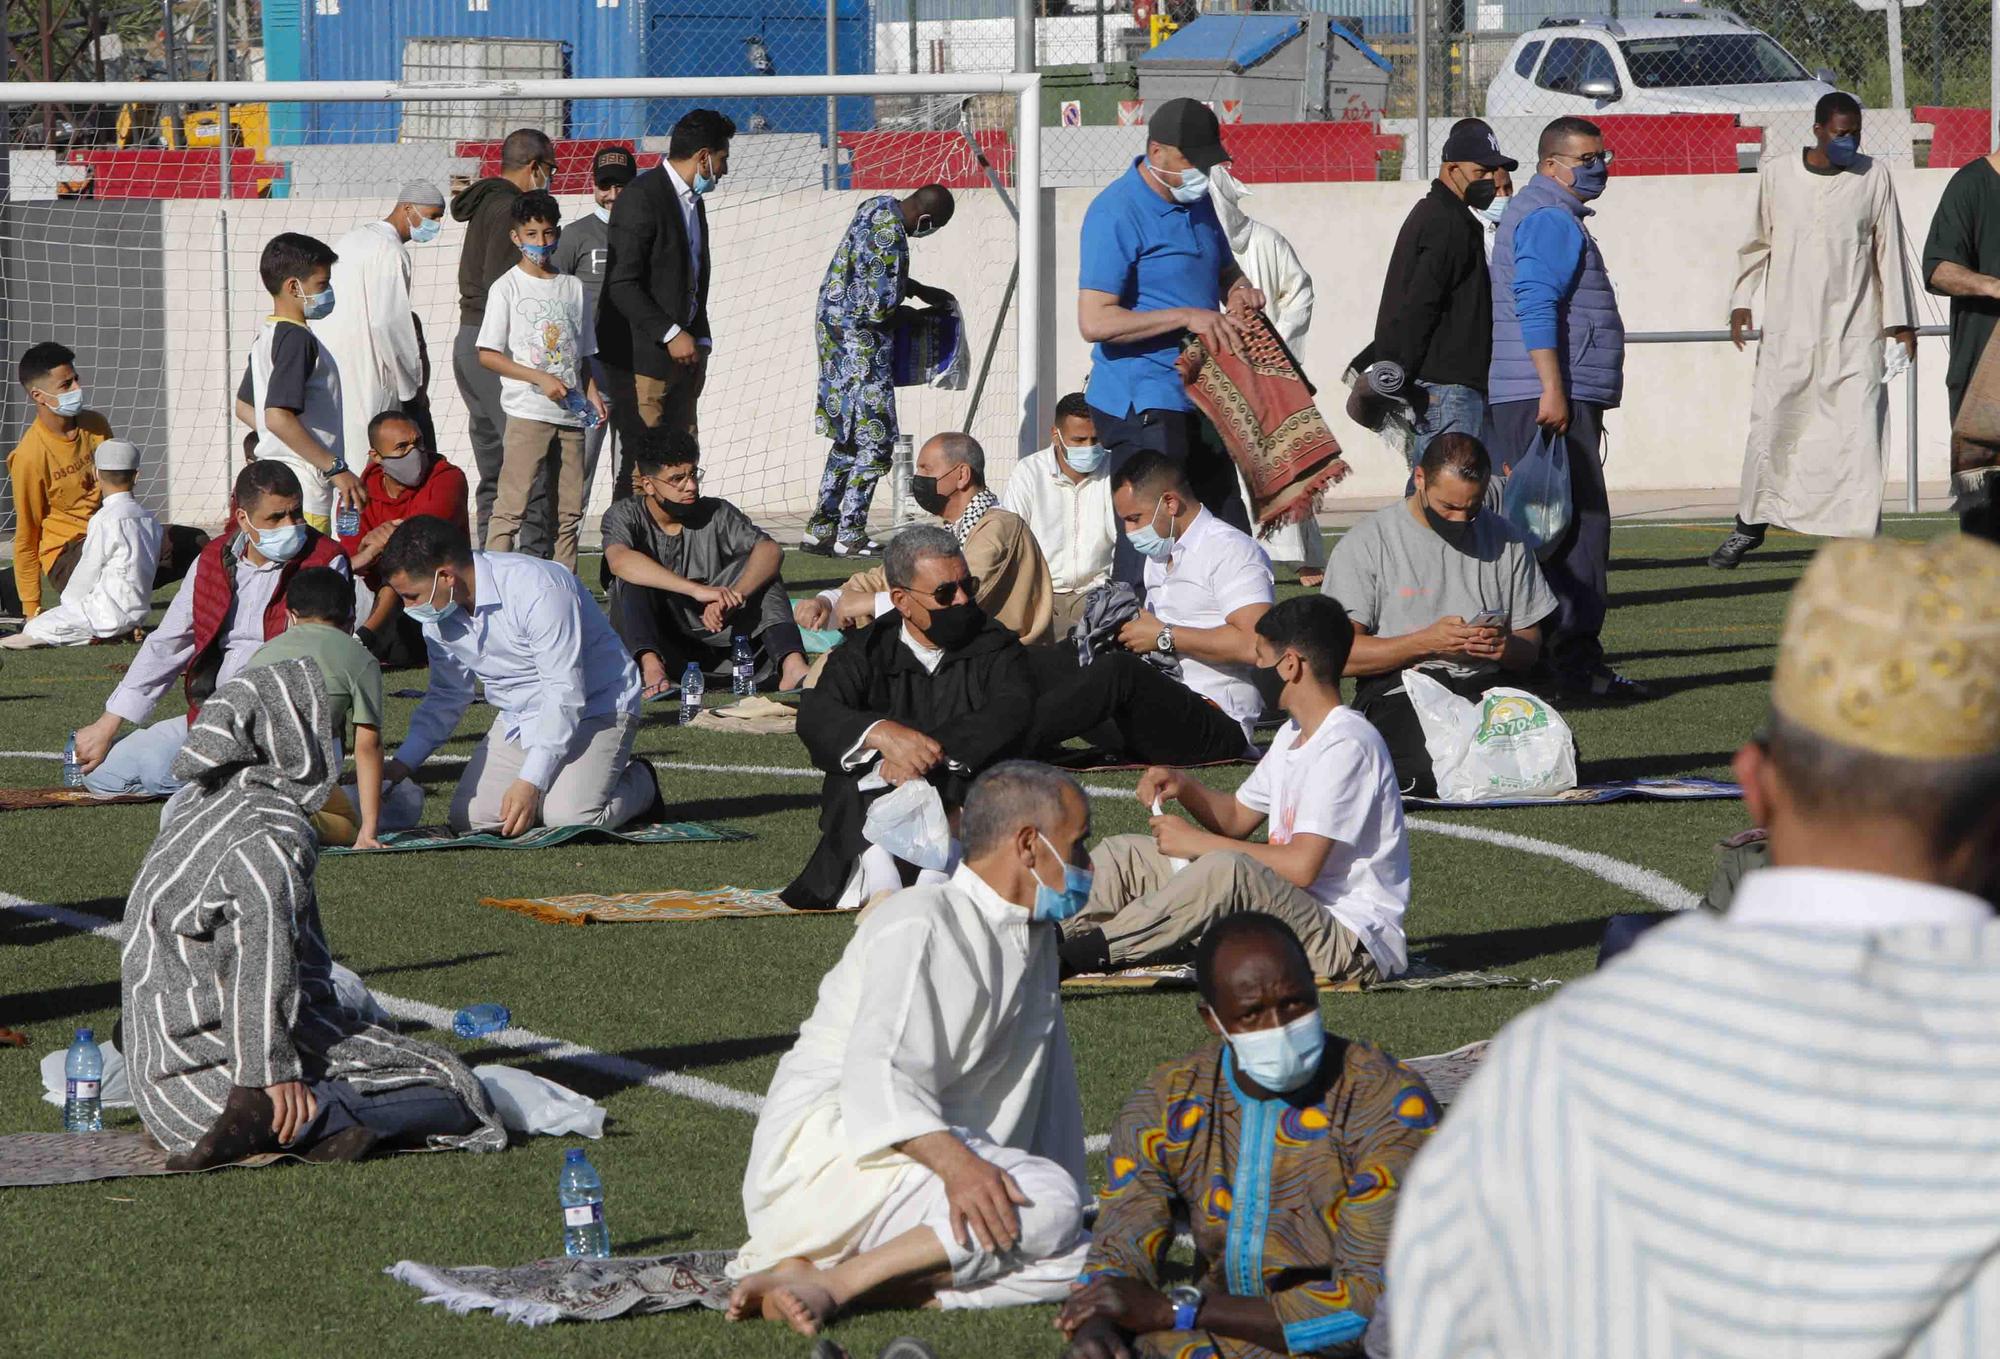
{"type": "Point", "coordinates": [1436, 583]}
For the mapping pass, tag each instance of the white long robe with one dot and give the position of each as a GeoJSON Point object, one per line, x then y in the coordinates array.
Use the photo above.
{"type": "Point", "coordinates": [1828, 250]}
{"type": "Point", "coordinates": [941, 1015]}
{"type": "Point", "coordinates": [112, 587]}
{"type": "Point", "coordinates": [371, 330]}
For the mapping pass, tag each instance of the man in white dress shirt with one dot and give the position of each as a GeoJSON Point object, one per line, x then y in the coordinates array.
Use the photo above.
{"type": "Point", "coordinates": [564, 690]}
{"type": "Point", "coordinates": [111, 587]}
{"type": "Point", "coordinates": [1063, 494]}
{"type": "Point", "coordinates": [373, 332]}
{"type": "Point", "coordinates": [1769, 1132]}
{"type": "Point", "coordinates": [924, 1139]}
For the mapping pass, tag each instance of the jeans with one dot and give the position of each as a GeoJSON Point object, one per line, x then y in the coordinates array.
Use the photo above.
{"type": "Point", "coordinates": [1176, 434]}
{"type": "Point", "coordinates": [1449, 409]}
{"type": "Point", "coordinates": [405, 1117]}
{"type": "Point", "coordinates": [1579, 568]}
{"type": "Point", "coordinates": [139, 763]}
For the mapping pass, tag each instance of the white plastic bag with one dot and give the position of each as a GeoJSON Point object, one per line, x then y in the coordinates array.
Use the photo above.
{"type": "Point", "coordinates": [1508, 743]}
{"type": "Point", "coordinates": [353, 994]}
{"type": "Point", "coordinates": [531, 1104]}
{"type": "Point", "coordinates": [115, 1090]}
{"type": "Point", "coordinates": [909, 822]}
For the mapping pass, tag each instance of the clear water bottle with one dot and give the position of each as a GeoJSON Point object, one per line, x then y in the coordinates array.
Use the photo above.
{"type": "Point", "coordinates": [692, 685]}
{"type": "Point", "coordinates": [347, 520]}
{"type": "Point", "coordinates": [577, 404]}
{"type": "Point", "coordinates": [72, 766]}
{"type": "Point", "coordinates": [742, 667]}
{"type": "Point", "coordinates": [476, 1021]}
{"type": "Point", "coordinates": [582, 1193]}
{"type": "Point", "coordinates": [83, 1071]}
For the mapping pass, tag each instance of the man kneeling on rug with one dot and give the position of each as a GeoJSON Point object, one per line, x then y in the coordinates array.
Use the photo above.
{"type": "Point", "coordinates": [1279, 1147]}
{"type": "Point", "coordinates": [923, 1142]}
{"type": "Point", "coordinates": [234, 1038]}
{"type": "Point", "coordinates": [1337, 865]}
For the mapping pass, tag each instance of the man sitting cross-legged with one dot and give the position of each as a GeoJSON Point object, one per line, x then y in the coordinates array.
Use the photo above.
{"type": "Point", "coordinates": [922, 1144]}
{"type": "Point", "coordinates": [1282, 1150]}
{"type": "Point", "coordinates": [1337, 865]}
{"type": "Point", "coordinates": [1206, 585]}
{"type": "Point", "coordinates": [109, 588]}
{"type": "Point", "coordinates": [692, 572]}
{"type": "Point", "coordinates": [933, 690]}
{"type": "Point", "coordinates": [564, 693]}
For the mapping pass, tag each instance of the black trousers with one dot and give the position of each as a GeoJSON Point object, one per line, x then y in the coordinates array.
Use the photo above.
{"type": "Point", "coordinates": [1177, 435]}
{"type": "Point", "coordinates": [1395, 717]}
{"type": "Point", "coordinates": [1579, 570]}
{"type": "Point", "coordinates": [1127, 704]}
{"type": "Point", "coordinates": [650, 620]}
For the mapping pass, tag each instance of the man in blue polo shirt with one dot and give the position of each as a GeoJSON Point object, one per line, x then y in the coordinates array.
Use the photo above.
{"type": "Point", "coordinates": [1156, 266]}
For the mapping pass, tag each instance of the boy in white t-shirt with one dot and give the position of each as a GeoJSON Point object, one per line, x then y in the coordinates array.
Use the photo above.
{"type": "Point", "coordinates": [537, 333]}
{"type": "Point", "coordinates": [1336, 867]}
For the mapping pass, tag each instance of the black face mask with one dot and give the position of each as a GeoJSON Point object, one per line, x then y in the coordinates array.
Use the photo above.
{"type": "Point", "coordinates": [956, 625]}
{"type": "Point", "coordinates": [1457, 532]}
{"type": "Point", "coordinates": [925, 492]}
{"type": "Point", "coordinates": [1480, 193]}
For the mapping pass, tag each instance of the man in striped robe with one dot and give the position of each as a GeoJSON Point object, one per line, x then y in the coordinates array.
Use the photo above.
{"type": "Point", "coordinates": [235, 1039]}
{"type": "Point", "coordinates": [1770, 1132]}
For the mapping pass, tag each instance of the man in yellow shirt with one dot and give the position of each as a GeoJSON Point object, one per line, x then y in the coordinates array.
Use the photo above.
{"type": "Point", "coordinates": [55, 488]}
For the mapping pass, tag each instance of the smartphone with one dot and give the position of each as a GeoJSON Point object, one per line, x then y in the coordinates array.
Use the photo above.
{"type": "Point", "coordinates": [1490, 618]}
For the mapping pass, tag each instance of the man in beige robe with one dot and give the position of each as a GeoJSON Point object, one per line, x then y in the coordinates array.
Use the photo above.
{"type": "Point", "coordinates": [1827, 246]}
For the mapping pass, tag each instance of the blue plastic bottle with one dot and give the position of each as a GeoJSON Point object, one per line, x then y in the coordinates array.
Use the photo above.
{"type": "Point", "coordinates": [692, 685]}
{"type": "Point", "coordinates": [83, 1072]}
{"type": "Point", "coordinates": [582, 1193]}
{"type": "Point", "coordinates": [72, 766]}
{"type": "Point", "coordinates": [742, 667]}
{"type": "Point", "coordinates": [476, 1021]}
{"type": "Point", "coordinates": [347, 520]}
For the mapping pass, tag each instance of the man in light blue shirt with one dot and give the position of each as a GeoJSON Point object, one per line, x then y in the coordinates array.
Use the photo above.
{"type": "Point", "coordinates": [1155, 267]}
{"type": "Point", "coordinates": [564, 689]}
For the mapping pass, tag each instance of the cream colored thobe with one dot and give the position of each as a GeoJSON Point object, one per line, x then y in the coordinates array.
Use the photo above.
{"type": "Point", "coordinates": [941, 1015]}
{"type": "Point", "coordinates": [371, 330]}
{"type": "Point", "coordinates": [1828, 250]}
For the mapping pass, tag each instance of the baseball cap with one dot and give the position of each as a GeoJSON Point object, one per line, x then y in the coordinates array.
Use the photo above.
{"type": "Point", "coordinates": [1473, 141]}
{"type": "Point", "coordinates": [1189, 126]}
{"type": "Point", "coordinates": [613, 165]}
{"type": "Point", "coordinates": [116, 455]}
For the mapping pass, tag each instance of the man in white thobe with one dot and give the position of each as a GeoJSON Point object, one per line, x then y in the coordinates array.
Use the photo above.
{"type": "Point", "coordinates": [1827, 246]}
{"type": "Point", "coordinates": [111, 588]}
{"type": "Point", "coordinates": [373, 330]}
{"type": "Point", "coordinates": [924, 1139]}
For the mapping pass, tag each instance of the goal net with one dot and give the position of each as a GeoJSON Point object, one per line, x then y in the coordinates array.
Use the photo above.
{"type": "Point", "coordinates": [130, 231]}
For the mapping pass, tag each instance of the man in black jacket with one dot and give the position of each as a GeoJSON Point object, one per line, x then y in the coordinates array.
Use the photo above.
{"type": "Point", "coordinates": [652, 318]}
{"type": "Point", "coordinates": [527, 162]}
{"type": "Point", "coordinates": [1436, 317]}
{"type": "Point", "coordinates": [935, 690]}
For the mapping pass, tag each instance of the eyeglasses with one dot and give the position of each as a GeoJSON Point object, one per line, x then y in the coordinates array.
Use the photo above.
{"type": "Point", "coordinates": [949, 591]}
{"type": "Point", "coordinates": [691, 477]}
{"type": "Point", "coordinates": [1594, 158]}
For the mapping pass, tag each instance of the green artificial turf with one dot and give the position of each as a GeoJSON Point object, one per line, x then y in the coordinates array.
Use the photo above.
{"type": "Point", "coordinates": [289, 1260]}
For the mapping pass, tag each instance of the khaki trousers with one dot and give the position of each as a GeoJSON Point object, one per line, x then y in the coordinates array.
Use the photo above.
{"type": "Point", "coordinates": [526, 445]}
{"type": "Point", "coordinates": [639, 402]}
{"type": "Point", "coordinates": [597, 784]}
{"type": "Point", "coordinates": [1068, 606]}
{"type": "Point", "coordinates": [1151, 914]}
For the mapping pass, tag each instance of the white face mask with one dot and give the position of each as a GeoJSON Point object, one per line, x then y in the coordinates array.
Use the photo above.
{"type": "Point", "coordinates": [1190, 186]}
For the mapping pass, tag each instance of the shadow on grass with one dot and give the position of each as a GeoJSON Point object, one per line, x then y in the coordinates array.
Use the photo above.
{"type": "Point", "coordinates": [646, 1243]}
{"type": "Point", "coordinates": [1677, 653]}
{"type": "Point", "coordinates": [18, 930]}
{"type": "Point", "coordinates": [1682, 594]}
{"type": "Point", "coordinates": [437, 963]}
{"type": "Point", "coordinates": [733, 808]}
{"type": "Point", "coordinates": [684, 1057]}
{"type": "Point", "coordinates": [59, 1002]}
{"type": "Point", "coordinates": [1678, 684]}
{"type": "Point", "coordinates": [1654, 766]}
{"type": "Point", "coordinates": [1756, 558]}
{"type": "Point", "coordinates": [1492, 949]}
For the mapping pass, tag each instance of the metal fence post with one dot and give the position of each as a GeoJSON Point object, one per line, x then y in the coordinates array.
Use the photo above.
{"type": "Point", "coordinates": [1420, 11]}
{"type": "Point", "coordinates": [225, 164]}
{"type": "Point", "coordinates": [832, 104]}
{"type": "Point", "coordinates": [1910, 429]}
{"type": "Point", "coordinates": [1024, 36]}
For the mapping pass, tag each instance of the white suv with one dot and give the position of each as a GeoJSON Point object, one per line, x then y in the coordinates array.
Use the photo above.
{"type": "Point", "coordinates": [1678, 61]}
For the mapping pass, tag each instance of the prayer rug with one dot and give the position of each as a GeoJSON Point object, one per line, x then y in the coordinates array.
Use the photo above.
{"type": "Point", "coordinates": [1589, 794]}
{"type": "Point", "coordinates": [545, 837]}
{"type": "Point", "coordinates": [754, 715]}
{"type": "Point", "coordinates": [575, 1289]}
{"type": "Point", "coordinates": [42, 1158]}
{"type": "Point", "coordinates": [29, 799]}
{"type": "Point", "coordinates": [1420, 975]}
{"type": "Point", "coordinates": [1262, 406]}
{"type": "Point", "coordinates": [716, 903]}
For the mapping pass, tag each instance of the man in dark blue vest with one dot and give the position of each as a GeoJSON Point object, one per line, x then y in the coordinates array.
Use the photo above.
{"type": "Point", "coordinates": [1558, 365]}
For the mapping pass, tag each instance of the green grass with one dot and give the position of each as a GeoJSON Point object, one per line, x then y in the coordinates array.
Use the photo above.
{"type": "Point", "coordinates": [289, 1260]}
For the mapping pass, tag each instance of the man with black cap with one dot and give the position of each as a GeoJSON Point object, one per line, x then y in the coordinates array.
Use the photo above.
{"type": "Point", "coordinates": [1436, 315]}
{"type": "Point", "coordinates": [1156, 266]}
{"type": "Point", "coordinates": [583, 250]}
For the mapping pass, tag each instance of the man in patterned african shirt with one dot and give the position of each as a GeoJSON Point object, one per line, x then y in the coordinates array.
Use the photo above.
{"type": "Point", "coordinates": [1282, 1147]}
{"type": "Point", "coordinates": [856, 401]}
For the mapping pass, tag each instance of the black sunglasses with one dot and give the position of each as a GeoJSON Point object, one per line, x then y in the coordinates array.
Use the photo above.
{"type": "Point", "coordinates": [947, 592]}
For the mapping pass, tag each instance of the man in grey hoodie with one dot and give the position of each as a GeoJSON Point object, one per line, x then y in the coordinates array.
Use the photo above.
{"type": "Point", "coordinates": [527, 163]}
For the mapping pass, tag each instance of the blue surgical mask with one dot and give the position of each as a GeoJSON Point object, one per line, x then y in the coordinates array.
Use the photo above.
{"type": "Point", "coordinates": [1149, 543]}
{"type": "Point", "coordinates": [1283, 1058]}
{"type": "Point", "coordinates": [538, 255]}
{"type": "Point", "coordinates": [1588, 181]}
{"type": "Point", "coordinates": [1074, 896]}
{"type": "Point", "coordinates": [703, 182]}
{"type": "Point", "coordinates": [70, 402]}
{"type": "Point", "coordinates": [1191, 187]}
{"type": "Point", "coordinates": [426, 229]}
{"type": "Point", "coordinates": [1493, 211]}
{"type": "Point", "coordinates": [428, 612]}
{"type": "Point", "coordinates": [1842, 150]}
{"type": "Point", "coordinates": [282, 544]}
{"type": "Point", "coordinates": [319, 305]}
{"type": "Point", "coordinates": [1085, 458]}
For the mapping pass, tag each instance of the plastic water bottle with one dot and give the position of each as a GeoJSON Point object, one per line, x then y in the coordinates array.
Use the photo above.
{"type": "Point", "coordinates": [582, 1193]}
{"type": "Point", "coordinates": [347, 520]}
{"type": "Point", "coordinates": [83, 1108]}
{"type": "Point", "coordinates": [692, 685]}
{"type": "Point", "coordinates": [72, 766]}
{"type": "Point", "coordinates": [742, 667]}
{"type": "Point", "coordinates": [579, 405]}
{"type": "Point", "coordinates": [476, 1021]}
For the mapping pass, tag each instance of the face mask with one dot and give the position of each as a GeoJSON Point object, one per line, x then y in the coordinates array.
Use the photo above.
{"type": "Point", "coordinates": [1842, 150]}
{"type": "Point", "coordinates": [426, 229]}
{"type": "Point", "coordinates": [1280, 1059]}
{"type": "Point", "coordinates": [1191, 186]}
{"type": "Point", "coordinates": [1492, 212]}
{"type": "Point", "coordinates": [703, 181]}
{"type": "Point", "coordinates": [1456, 532]}
{"type": "Point", "coordinates": [406, 469]}
{"type": "Point", "coordinates": [1051, 904]}
{"type": "Point", "coordinates": [1085, 458]}
{"type": "Point", "coordinates": [924, 227]}
{"type": "Point", "coordinates": [1588, 181]}
{"type": "Point", "coordinates": [1147, 543]}
{"type": "Point", "coordinates": [70, 402]}
{"type": "Point", "coordinates": [952, 627]}
{"type": "Point", "coordinates": [603, 214]}
{"type": "Point", "coordinates": [1479, 194]}
{"type": "Point", "coordinates": [429, 613]}
{"type": "Point", "coordinates": [925, 492]}
{"type": "Point", "coordinates": [318, 305]}
{"type": "Point", "coordinates": [281, 544]}
{"type": "Point", "coordinates": [538, 255]}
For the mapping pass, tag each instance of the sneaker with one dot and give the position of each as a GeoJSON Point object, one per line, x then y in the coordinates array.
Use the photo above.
{"type": "Point", "coordinates": [1734, 548]}
{"type": "Point", "coordinates": [857, 547]}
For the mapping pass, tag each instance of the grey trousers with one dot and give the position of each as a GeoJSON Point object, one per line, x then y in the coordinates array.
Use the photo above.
{"type": "Point", "coordinates": [1151, 913]}
{"type": "Point", "coordinates": [598, 783]}
{"type": "Point", "coordinates": [479, 388]}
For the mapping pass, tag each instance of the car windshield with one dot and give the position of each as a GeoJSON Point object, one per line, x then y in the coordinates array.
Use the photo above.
{"type": "Point", "coordinates": [1709, 59]}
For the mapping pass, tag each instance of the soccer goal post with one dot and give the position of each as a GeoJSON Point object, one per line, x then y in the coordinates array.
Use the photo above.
{"type": "Point", "coordinates": [131, 226]}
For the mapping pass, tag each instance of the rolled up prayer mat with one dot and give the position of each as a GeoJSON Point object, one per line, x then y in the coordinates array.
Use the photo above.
{"type": "Point", "coordinates": [1975, 435]}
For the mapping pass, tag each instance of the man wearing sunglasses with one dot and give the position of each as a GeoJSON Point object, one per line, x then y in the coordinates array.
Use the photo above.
{"type": "Point", "coordinates": [1558, 365]}
{"type": "Point", "coordinates": [934, 689]}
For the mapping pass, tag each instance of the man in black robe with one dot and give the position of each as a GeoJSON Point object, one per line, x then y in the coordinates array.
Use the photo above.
{"type": "Point", "coordinates": [935, 691]}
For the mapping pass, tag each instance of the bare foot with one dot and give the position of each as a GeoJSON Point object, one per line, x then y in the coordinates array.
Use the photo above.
{"type": "Point", "coordinates": [802, 1304]}
{"type": "Point", "coordinates": [653, 676]}
{"type": "Point", "coordinates": [748, 1299]}
{"type": "Point", "coordinates": [793, 672]}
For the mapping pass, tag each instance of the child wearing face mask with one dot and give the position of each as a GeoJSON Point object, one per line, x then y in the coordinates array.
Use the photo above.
{"type": "Point", "coordinates": [538, 334]}
{"type": "Point", "coordinates": [55, 491]}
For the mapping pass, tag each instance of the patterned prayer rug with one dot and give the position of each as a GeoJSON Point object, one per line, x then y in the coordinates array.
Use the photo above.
{"type": "Point", "coordinates": [40, 1158]}
{"type": "Point", "coordinates": [29, 799]}
{"type": "Point", "coordinates": [717, 903]}
{"type": "Point", "coordinates": [547, 837]}
{"type": "Point", "coordinates": [547, 1291]}
{"type": "Point", "coordinates": [1589, 794]}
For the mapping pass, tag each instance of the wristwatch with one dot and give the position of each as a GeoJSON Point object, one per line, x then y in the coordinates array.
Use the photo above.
{"type": "Point", "coordinates": [1187, 1306]}
{"type": "Point", "coordinates": [1166, 643]}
